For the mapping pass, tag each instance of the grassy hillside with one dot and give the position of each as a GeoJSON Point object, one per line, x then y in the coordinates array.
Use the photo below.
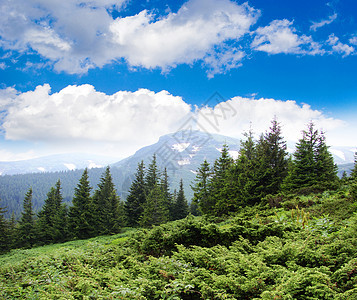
{"type": "Point", "coordinates": [298, 247]}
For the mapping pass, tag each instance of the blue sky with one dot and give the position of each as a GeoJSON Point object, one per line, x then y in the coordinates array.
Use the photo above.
{"type": "Point", "coordinates": [111, 76]}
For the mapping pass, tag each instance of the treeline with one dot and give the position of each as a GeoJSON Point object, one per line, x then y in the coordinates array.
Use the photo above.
{"type": "Point", "coordinates": [150, 202]}
{"type": "Point", "coordinates": [14, 187]}
{"type": "Point", "coordinates": [263, 170]}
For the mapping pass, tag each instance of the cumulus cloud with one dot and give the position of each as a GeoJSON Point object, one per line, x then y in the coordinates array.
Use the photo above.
{"type": "Point", "coordinates": [236, 115]}
{"type": "Point", "coordinates": [339, 47]}
{"type": "Point", "coordinates": [78, 35]}
{"type": "Point", "coordinates": [80, 113]}
{"type": "Point", "coordinates": [329, 20]}
{"type": "Point", "coordinates": [281, 37]}
{"type": "Point", "coordinates": [186, 36]}
{"type": "Point", "coordinates": [80, 118]}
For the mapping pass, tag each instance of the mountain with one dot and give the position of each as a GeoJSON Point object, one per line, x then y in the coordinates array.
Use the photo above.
{"type": "Point", "coordinates": [55, 163]}
{"type": "Point", "coordinates": [181, 153]}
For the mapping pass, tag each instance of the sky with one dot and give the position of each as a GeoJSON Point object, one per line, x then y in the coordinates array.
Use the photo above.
{"type": "Point", "coordinates": [110, 76]}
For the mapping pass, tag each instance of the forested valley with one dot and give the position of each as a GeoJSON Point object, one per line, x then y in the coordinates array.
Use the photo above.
{"type": "Point", "coordinates": [264, 226]}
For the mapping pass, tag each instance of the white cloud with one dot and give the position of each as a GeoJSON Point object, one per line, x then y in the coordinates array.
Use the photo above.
{"type": "Point", "coordinates": [280, 37]}
{"type": "Point", "coordinates": [353, 40]}
{"type": "Point", "coordinates": [236, 115]}
{"type": "Point", "coordinates": [339, 47]}
{"type": "Point", "coordinates": [186, 36]}
{"type": "Point", "coordinates": [316, 25]}
{"type": "Point", "coordinates": [81, 119]}
{"type": "Point", "coordinates": [80, 114]}
{"type": "Point", "coordinates": [3, 66]}
{"type": "Point", "coordinates": [78, 35]}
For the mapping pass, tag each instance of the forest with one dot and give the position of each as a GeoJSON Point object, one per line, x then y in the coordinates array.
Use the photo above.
{"type": "Point", "coordinates": [264, 226]}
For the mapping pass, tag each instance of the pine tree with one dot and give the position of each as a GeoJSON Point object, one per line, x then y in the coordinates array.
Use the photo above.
{"type": "Point", "coordinates": [52, 219]}
{"type": "Point", "coordinates": [4, 232]}
{"type": "Point", "coordinates": [313, 164]}
{"type": "Point", "coordinates": [164, 184]}
{"type": "Point", "coordinates": [137, 197]}
{"type": "Point", "coordinates": [326, 170]}
{"type": "Point", "coordinates": [152, 176]}
{"type": "Point", "coordinates": [155, 212]}
{"type": "Point", "coordinates": [80, 220]}
{"type": "Point", "coordinates": [180, 205]}
{"type": "Point", "coordinates": [106, 206]}
{"type": "Point", "coordinates": [217, 191]}
{"type": "Point", "coordinates": [26, 232]}
{"type": "Point", "coordinates": [273, 159]}
{"type": "Point", "coordinates": [201, 189]}
{"type": "Point", "coordinates": [353, 174]}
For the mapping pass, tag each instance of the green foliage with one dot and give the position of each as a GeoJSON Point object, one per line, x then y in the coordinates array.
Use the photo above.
{"type": "Point", "coordinates": [155, 211]}
{"type": "Point", "coordinates": [201, 188]}
{"type": "Point", "coordinates": [258, 253]}
{"type": "Point", "coordinates": [26, 230]}
{"type": "Point", "coordinates": [313, 164]}
{"type": "Point", "coordinates": [80, 219]}
{"type": "Point", "coordinates": [180, 206]}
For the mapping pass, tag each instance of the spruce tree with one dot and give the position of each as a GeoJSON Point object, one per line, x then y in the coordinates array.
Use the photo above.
{"type": "Point", "coordinates": [52, 219]}
{"type": "Point", "coordinates": [180, 205]}
{"type": "Point", "coordinates": [4, 232]}
{"type": "Point", "coordinates": [217, 192]}
{"type": "Point", "coordinates": [201, 189]}
{"type": "Point", "coordinates": [137, 197]}
{"type": "Point", "coordinates": [273, 159]}
{"type": "Point", "coordinates": [353, 174]}
{"type": "Point", "coordinates": [326, 170]}
{"type": "Point", "coordinates": [27, 232]}
{"type": "Point", "coordinates": [152, 176]}
{"type": "Point", "coordinates": [80, 220]}
{"type": "Point", "coordinates": [164, 184]}
{"type": "Point", "coordinates": [155, 212]}
{"type": "Point", "coordinates": [312, 164]}
{"type": "Point", "coordinates": [106, 208]}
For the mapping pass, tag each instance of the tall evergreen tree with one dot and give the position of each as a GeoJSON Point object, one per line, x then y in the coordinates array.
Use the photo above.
{"type": "Point", "coordinates": [155, 212]}
{"type": "Point", "coordinates": [217, 191]}
{"type": "Point", "coordinates": [80, 220]}
{"type": "Point", "coordinates": [201, 189]}
{"type": "Point", "coordinates": [137, 197]}
{"type": "Point", "coordinates": [180, 205]}
{"type": "Point", "coordinates": [152, 176]}
{"type": "Point", "coordinates": [273, 159]}
{"type": "Point", "coordinates": [27, 232]}
{"type": "Point", "coordinates": [4, 232]}
{"type": "Point", "coordinates": [313, 163]}
{"type": "Point", "coordinates": [106, 205]}
{"type": "Point", "coordinates": [354, 170]}
{"type": "Point", "coordinates": [52, 219]}
{"type": "Point", "coordinates": [164, 184]}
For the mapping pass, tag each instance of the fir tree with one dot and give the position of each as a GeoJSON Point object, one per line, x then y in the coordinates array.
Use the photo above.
{"type": "Point", "coordinates": [180, 205]}
{"type": "Point", "coordinates": [217, 191]}
{"type": "Point", "coordinates": [313, 164]}
{"type": "Point", "coordinates": [137, 197]}
{"type": "Point", "coordinates": [155, 212]}
{"type": "Point", "coordinates": [166, 193]}
{"type": "Point", "coordinates": [52, 218]}
{"type": "Point", "coordinates": [106, 206]}
{"type": "Point", "coordinates": [80, 218]}
{"type": "Point", "coordinates": [26, 232]}
{"type": "Point", "coordinates": [272, 156]}
{"type": "Point", "coordinates": [201, 189]}
{"type": "Point", "coordinates": [4, 232]}
{"type": "Point", "coordinates": [152, 176]}
{"type": "Point", "coordinates": [353, 174]}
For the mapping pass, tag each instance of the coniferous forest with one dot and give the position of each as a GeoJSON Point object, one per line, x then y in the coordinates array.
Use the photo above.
{"type": "Point", "coordinates": [267, 225]}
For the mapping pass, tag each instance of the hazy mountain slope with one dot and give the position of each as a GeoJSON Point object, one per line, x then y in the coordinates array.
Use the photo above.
{"type": "Point", "coordinates": [55, 163]}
